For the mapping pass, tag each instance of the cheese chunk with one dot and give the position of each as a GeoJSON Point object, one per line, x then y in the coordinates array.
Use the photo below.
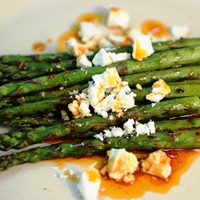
{"type": "Point", "coordinates": [115, 57]}
{"type": "Point", "coordinates": [179, 31]}
{"type": "Point", "coordinates": [80, 106]}
{"type": "Point", "coordinates": [83, 62]}
{"type": "Point", "coordinates": [142, 47]}
{"type": "Point", "coordinates": [101, 58]}
{"type": "Point", "coordinates": [159, 90]}
{"type": "Point", "coordinates": [133, 33]}
{"type": "Point", "coordinates": [128, 126]}
{"type": "Point", "coordinates": [158, 164]}
{"type": "Point", "coordinates": [74, 48]}
{"type": "Point", "coordinates": [89, 184]}
{"type": "Point", "coordinates": [116, 39]}
{"type": "Point", "coordinates": [121, 165]}
{"type": "Point", "coordinates": [118, 17]}
{"type": "Point", "coordinates": [88, 31]}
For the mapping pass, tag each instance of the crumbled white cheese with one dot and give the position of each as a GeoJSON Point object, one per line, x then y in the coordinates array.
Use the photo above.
{"type": "Point", "coordinates": [121, 165]}
{"type": "Point", "coordinates": [118, 17]}
{"type": "Point", "coordinates": [133, 33]}
{"type": "Point", "coordinates": [128, 126]}
{"type": "Point", "coordinates": [74, 48]}
{"type": "Point", "coordinates": [151, 126]}
{"type": "Point", "coordinates": [138, 86]}
{"type": "Point", "coordinates": [101, 58]}
{"type": "Point", "coordinates": [102, 107]}
{"type": "Point", "coordinates": [110, 93]}
{"type": "Point", "coordinates": [89, 184]}
{"type": "Point", "coordinates": [116, 39]}
{"type": "Point", "coordinates": [83, 62]}
{"type": "Point", "coordinates": [141, 129]}
{"type": "Point", "coordinates": [147, 128]}
{"type": "Point", "coordinates": [179, 31]}
{"type": "Point", "coordinates": [123, 101]}
{"type": "Point", "coordinates": [142, 47]}
{"type": "Point", "coordinates": [116, 132]}
{"type": "Point", "coordinates": [87, 31]}
{"type": "Point", "coordinates": [158, 164]}
{"type": "Point", "coordinates": [115, 57]}
{"type": "Point", "coordinates": [106, 92]}
{"type": "Point", "coordinates": [159, 90]}
{"type": "Point", "coordinates": [80, 106]}
{"type": "Point", "coordinates": [103, 43]}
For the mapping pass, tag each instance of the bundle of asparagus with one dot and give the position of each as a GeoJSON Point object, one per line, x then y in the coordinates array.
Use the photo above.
{"type": "Point", "coordinates": [35, 91]}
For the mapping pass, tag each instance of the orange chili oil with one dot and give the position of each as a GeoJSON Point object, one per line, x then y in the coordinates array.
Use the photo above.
{"type": "Point", "coordinates": [181, 160]}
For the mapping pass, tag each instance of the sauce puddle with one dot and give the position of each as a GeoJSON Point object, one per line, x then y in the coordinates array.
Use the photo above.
{"type": "Point", "coordinates": [181, 160]}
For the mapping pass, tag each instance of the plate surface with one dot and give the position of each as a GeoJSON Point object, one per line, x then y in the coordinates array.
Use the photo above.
{"type": "Point", "coordinates": [23, 23]}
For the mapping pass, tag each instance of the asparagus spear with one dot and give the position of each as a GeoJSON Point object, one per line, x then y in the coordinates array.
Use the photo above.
{"type": "Point", "coordinates": [159, 60]}
{"type": "Point", "coordinates": [50, 57]}
{"type": "Point", "coordinates": [159, 140]}
{"type": "Point", "coordinates": [39, 96]}
{"type": "Point", "coordinates": [47, 119]}
{"type": "Point", "coordinates": [32, 70]}
{"type": "Point", "coordinates": [171, 74]}
{"type": "Point", "coordinates": [44, 106]}
{"type": "Point", "coordinates": [49, 105]}
{"type": "Point", "coordinates": [57, 57]}
{"type": "Point", "coordinates": [75, 128]}
{"type": "Point", "coordinates": [177, 90]}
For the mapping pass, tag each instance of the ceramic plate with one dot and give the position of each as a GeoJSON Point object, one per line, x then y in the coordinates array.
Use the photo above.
{"type": "Point", "coordinates": [23, 23]}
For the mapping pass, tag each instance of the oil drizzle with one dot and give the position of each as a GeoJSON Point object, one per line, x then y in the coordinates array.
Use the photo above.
{"type": "Point", "coordinates": [181, 160]}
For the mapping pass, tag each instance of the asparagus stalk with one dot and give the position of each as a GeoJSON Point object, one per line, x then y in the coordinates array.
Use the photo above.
{"type": "Point", "coordinates": [49, 105]}
{"type": "Point", "coordinates": [38, 107]}
{"type": "Point", "coordinates": [49, 58]}
{"type": "Point", "coordinates": [57, 57]}
{"type": "Point", "coordinates": [177, 90]}
{"type": "Point", "coordinates": [77, 127]}
{"type": "Point", "coordinates": [43, 95]}
{"type": "Point", "coordinates": [47, 119]}
{"type": "Point", "coordinates": [159, 140]}
{"type": "Point", "coordinates": [171, 74]}
{"type": "Point", "coordinates": [159, 60]}
{"type": "Point", "coordinates": [32, 70]}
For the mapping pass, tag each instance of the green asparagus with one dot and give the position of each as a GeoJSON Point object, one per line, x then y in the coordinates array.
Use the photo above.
{"type": "Point", "coordinates": [74, 128]}
{"type": "Point", "coordinates": [177, 90]}
{"type": "Point", "coordinates": [57, 57]}
{"type": "Point", "coordinates": [32, 70]}
{"type": "Point", "coordinates": [159, 140]}
{"type": "Point", "coordinates": [159, 60]}
{"type": "Point", "coordinates": [43, 95]}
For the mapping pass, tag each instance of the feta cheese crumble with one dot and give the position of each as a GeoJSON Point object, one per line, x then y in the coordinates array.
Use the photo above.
{"type": "Point", "coordinates": [80, 106]}
{"type": "Point", "coordinates": [89, 184]}
{"type": "Point", "coordinates": [118, 17]}
{"type": "Point", "coordinates": [106, 92]}
{"type": "Point", "coordinates": [129, 127]}
{"type": "Point", "coordinates": [121, 165]}
{"type": "Point", "coordinates": [158, 164]}
{"type": "Point", "coordinates": [179, 31]}
{"type": "Point", "coordinates": [88, 31]}
{"type": "Point", "coordinates": [83, 62]}
{"type": "Point", "coordinates": [115, 57]}
{"type": "Point", "coordinates": [142, 47]}
{"type": "Point", "coordinates": [159, 90]}
{"type": "Point", "coordinates": [101, 58]}
{"type": "Point", "coordinates": [74, 48]}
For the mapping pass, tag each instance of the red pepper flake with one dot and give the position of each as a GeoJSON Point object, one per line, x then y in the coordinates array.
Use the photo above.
{"type": "Point", "coordinates": [51, 77]}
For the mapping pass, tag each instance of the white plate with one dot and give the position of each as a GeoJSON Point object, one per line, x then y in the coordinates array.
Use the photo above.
{"type": "Point", "coordinates": [23, 23]}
